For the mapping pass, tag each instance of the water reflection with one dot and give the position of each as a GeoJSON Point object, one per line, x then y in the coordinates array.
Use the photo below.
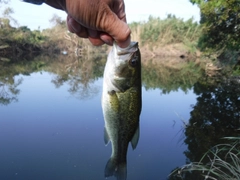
{"type": "Point", "coordinates": [9, 90]}
{"type": "Point", "coordinates": [80, 73]}
{"type": "Point", "coordinates": [52, 136]}
{"type": "Point", "coordinates": [215, 115]}
{"type": "Point", "coordinates": [170, 74]}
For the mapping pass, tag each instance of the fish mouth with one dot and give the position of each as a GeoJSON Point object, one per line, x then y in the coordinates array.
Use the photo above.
{"type": "Point", "coordinates": [122, 51]}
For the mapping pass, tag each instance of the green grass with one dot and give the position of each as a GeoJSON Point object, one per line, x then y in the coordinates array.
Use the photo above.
{"type": "Point", "coordinates": [223, 162]}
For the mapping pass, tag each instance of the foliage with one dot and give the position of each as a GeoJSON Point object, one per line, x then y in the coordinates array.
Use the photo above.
{"type": "Point", "coordinates": [221, 24]}
{"type": "Point", "coordinates": [21, 35]}
{"type": "Point", "coordinates": [56, 20]}
{"type": "Point", "coordinates": [223, 163]}
{"type": "Point", "coordinates": [7, 12]}
{"type": "Point", "coordinates": [161, 32]}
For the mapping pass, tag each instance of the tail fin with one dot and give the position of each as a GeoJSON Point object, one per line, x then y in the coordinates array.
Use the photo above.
{"type": "Point", "coordinates": [113, 168]}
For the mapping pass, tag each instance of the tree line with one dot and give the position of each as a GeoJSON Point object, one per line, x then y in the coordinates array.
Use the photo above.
{"type": "Point", "coordinates": [218, 31]}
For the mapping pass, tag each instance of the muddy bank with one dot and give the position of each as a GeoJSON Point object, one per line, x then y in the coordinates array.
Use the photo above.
{"type": "Point", "coordinates": [12, 50]}
{"type": "Point", "coordinates": [168, 51]}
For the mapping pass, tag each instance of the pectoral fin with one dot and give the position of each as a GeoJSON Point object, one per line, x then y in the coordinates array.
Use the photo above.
{"type": "Point", "coordinates": [106, 137]}
{"type": "Point", "coordinates": [135, 138]}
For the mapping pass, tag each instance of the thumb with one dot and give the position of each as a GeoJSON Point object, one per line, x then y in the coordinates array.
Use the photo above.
{"type": "Point", "coordinates": [118, 29]}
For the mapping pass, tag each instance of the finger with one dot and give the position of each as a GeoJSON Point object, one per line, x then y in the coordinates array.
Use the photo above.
{"type": "Point", "coordinates": [75, 27]}
{"type": "Point", "coordinates": [94, 37]}
{"type": "Point", "coordinates": [99, 38]}
{"type": "Point", "coordinates": [120, 32]}
{"type": "Point", "coordinates": [83, 33]}
{"type": "Point", "coordinates": [93, 33]}
{"type": "Point", "coordinates": [72, 25]}
{"type": "Point", "coordinates": [106, 38]}
{"type": "Point", "coordinates": [124, 44]}
{"type": "Point", "coordinates": [116, 28]}
{"type": "Point", "coordinates": [96, 41]}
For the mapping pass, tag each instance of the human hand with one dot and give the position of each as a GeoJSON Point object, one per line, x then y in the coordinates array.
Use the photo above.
{"type": "Point", "coordinates": [101, 21]}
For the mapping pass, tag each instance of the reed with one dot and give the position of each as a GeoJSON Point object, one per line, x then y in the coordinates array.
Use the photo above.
{"type": "Point", "coordinates": [223, 162]}
{"type": "Point", "coordinates": [160, 32]}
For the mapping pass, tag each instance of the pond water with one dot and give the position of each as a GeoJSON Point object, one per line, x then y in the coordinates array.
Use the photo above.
{"type": "Point", "coordinates": [55, 131]}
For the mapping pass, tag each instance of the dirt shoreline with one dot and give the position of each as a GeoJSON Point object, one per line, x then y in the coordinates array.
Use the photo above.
{"type": "Point", "coordinates": [168, 51]}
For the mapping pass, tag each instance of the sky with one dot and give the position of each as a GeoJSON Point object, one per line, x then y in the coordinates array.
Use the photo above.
{"type": "Point", "coordinates": [37, 17]}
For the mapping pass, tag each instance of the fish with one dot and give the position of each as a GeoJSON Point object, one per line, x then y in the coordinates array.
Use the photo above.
{"type": "Point", "coordinates": [121, 105]}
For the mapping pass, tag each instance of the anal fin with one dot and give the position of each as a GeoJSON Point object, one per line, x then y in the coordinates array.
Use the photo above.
{"type": "Point", "coordinates": [135, 138]}
{"type": "Point", "coordinates": [106, 136]}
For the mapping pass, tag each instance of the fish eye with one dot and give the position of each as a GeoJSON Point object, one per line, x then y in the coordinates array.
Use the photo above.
{"type": "Point", "coordinates": [134, 60]}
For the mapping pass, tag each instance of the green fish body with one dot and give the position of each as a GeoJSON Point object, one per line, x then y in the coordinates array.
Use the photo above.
{"type": "Point", "coordinates": [121, 104]}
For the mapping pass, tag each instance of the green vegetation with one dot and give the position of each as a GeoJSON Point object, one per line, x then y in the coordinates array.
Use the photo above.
{"type": "Point", "coordinates": [151, 35]}
{"type": "Point", "coordinates": [217, 35]}
{"type": "Point", "coordinates": [220, 20]}
{"type": "Point", "coordinates": [168, 31]}
{"type": "Point", "coordinates": [17, 40]}
{"type": "Point", "coordinates": [156, 34]}
{"type": "Point", "coordinates": [158, 39]}
{"type": "Point", "coordinates": [21, 35]}
{"type": "Point", "coordinates": [223, 163]}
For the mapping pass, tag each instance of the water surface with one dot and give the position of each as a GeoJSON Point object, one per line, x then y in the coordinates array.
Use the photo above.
{"type": "Point", "coordinates": [51, 122]}
{"type": "Point", "coordinates": [51, 133]}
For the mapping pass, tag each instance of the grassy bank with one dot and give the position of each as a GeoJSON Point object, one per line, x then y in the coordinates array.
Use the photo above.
{"type": "Point", "coordinates": [157, 37]}
{"type": "Point", "coordinates": [167, 37]}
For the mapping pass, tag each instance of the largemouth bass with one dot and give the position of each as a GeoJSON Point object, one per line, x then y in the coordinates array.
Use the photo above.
{"type": "Point", "coordinates": [121, 104]}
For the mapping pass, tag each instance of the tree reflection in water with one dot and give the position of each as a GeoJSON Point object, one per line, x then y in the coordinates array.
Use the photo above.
{"type": "Point", "coordinates": [8, 90]}
{"type": "Point", "coordinates": [216, 115]}
{"type": "Point", "coordinates": [78, 73]}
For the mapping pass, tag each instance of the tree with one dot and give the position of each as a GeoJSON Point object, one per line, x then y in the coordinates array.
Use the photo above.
{"type": "Point", "coordinates": [2, 2]}
{"type": "Point", "coordinates": [7, 14]}
{"type": "Point", "coordinates": [56, 20]}
{"type": "Point", "coordinates": [221, 24]}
